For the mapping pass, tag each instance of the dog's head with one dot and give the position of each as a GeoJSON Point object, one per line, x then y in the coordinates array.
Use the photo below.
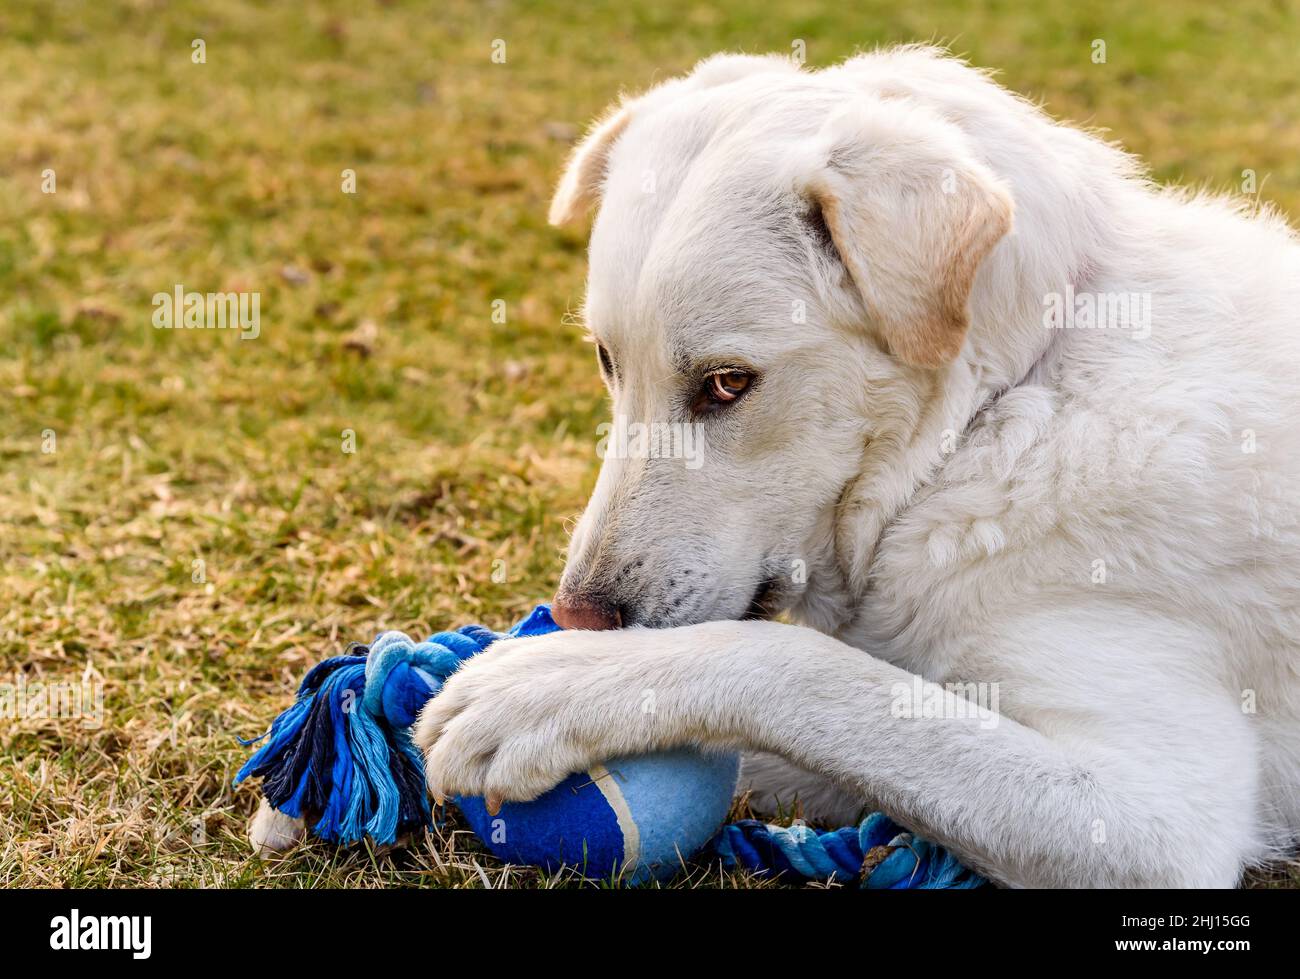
{"type": "Point", "coordinates": [779, 278]}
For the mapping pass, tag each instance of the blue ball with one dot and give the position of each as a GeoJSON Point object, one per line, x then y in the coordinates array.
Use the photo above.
{"type": "Point", "coordinates": [631, 819]}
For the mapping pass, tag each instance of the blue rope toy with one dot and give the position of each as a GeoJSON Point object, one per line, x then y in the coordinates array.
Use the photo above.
{"type": "Point", "coordinates": [342, 756]}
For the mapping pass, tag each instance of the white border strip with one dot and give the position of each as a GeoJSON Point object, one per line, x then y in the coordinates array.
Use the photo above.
{"type": "Point", "coordinates": [608, 786]}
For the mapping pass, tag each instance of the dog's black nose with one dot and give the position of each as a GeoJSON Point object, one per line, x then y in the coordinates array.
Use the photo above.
{"type": "Point", "coordinates": [584, 612]}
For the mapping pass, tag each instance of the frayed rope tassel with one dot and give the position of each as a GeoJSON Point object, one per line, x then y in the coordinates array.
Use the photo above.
{"type": "Point", "coordinates": [342, 754]}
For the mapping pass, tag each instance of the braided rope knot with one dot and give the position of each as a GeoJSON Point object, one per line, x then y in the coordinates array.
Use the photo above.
{"type": "Point", "coordinates": [877, 852]}
{"type": "Point", "coordinates": [401, 674]}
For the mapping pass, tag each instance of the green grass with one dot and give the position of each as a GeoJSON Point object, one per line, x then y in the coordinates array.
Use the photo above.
{"type": "Point", "coordinates": [474, 439]}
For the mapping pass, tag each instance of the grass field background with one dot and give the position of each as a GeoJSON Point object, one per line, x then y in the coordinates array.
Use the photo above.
{"type": "Point", "coordinates": [178, 516]}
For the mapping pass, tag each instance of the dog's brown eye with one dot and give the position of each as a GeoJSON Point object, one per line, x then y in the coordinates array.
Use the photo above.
{"type": "Point", "coordinates": [728, 386]}
{"type": "Point", "coordinates": [720, 390]}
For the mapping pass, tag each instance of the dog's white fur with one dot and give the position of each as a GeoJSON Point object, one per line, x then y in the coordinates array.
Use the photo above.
{"type": "Point", "coordinates": [1101, 523]}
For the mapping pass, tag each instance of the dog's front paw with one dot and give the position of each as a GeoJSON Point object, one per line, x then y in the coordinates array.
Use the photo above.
{"type": "Point", "coordinates": [516, 720]}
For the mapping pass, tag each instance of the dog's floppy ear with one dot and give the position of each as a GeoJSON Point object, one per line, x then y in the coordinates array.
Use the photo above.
{"type": "Point", "coordinates": [579, 187]}
{"type": "Point", "coordinates": [912, 215]}
{"type": "Point", "coordinates": [584, 175]}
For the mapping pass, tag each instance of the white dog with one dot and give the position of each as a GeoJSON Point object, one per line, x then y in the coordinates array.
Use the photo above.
{"type": "Point", "coordinates": [991, 416]}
